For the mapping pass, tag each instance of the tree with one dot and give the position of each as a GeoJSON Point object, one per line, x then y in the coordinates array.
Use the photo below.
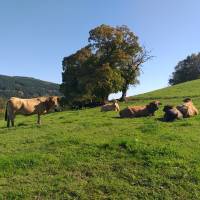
{"type": "Point", "coordinates": [73, 75]}
{"type": "Point", "coordinates": [186, 70]}
{"type": "Point", "coordinates": [86, 80]}
{"type": "Point", "coordinates": [120, 48]}
{"type": "Point", "coordinates": [109, 63]}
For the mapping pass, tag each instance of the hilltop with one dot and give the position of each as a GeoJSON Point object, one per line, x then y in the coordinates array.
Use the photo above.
{"type": "Point", "coordinates": [87, 154]}
{"type": "Point", "coordinates": [26, 87]}
{"type": "Point", "coordinates": [182, 90]}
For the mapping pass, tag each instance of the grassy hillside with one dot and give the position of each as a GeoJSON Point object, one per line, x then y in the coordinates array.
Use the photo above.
{"type": "Point", "coordinates": [190, 88]}
{"type": "Point", "coordinates": [92, 155]}
{"type": "Point", "coordinates": [26, 87]}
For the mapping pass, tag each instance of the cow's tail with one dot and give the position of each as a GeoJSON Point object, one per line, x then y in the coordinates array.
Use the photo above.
{"type": "Point", "coordinates": [6, 112]}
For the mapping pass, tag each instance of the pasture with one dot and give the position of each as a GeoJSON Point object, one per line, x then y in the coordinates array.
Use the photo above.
{"type": "Point", "coordinates": [87, 154]}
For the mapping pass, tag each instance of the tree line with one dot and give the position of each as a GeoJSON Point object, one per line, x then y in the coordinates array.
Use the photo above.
{"type": "Point", "coordinates": [26, 87]}
{"type": "Point", "coordinates": [186, 70]}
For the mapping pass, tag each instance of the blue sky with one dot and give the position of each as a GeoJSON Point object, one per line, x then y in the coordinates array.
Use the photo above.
{"type": "Point", "coordinates": [35, 35]}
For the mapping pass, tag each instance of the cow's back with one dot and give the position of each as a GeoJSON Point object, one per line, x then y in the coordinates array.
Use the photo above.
{"type": "Point", "coordinates": [139, 111]}
{"type": "Point", "coordinates": [15, 103]}
{"type": "Point", "coordinates": [25, 106]}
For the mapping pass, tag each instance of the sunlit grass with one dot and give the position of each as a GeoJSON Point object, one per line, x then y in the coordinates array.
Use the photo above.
{"type": "Point", "coordinates": [88, 154]}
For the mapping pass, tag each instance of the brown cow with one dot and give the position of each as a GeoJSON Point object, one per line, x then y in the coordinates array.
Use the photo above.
{"type": "Point", "coordinates": [39, 106]}
{"type": "Point", "coordinates": [110, 106]}
{"type": "Point", "coordinates": [140, 111]}
{"type": "Point", "coordinates": [171, 113]}
{"type": "Point", "coordinates": [187, 108]}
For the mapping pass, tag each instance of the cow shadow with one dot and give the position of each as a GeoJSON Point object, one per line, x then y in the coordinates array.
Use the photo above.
{"type": "Point", "coordinates": [161, 119]}
{"type": "Point", "coordinates": [117, 117]}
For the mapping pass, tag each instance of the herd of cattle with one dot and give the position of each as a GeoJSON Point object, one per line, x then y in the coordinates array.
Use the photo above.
{"type": "Point", "coordinates": [171, 113]}
{"type": "Point", "coordinates": [42, 105]}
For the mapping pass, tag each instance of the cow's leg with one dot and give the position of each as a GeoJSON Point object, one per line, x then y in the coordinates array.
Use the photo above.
{"type": "Point", "coordinates": [12, 121]}
{"type": "Point", "coordinates": [8, 121]}
{"type": "Point", "coordinates": [12, 118]}
{"type": "Point", "coordinates": [39, 120]}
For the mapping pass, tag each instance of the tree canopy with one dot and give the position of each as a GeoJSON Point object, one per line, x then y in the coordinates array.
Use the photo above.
{"type": "Point", "coordinates": [186, 70]}
{"type": "Point", "coordinates": [109, 63]}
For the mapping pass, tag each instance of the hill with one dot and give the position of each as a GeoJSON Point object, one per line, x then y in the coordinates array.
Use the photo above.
{"type": "Point", "coordinates": [26, 87]}
{"type": "Point", "coordinates": [187, 89]}
{"type": "Point", "coordinates": [87, 154]}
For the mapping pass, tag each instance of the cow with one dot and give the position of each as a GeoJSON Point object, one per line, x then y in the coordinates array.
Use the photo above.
{"type": "Point", "coordinates": [187, 108]}
{"type": "Point", "coordinates": [39, 106]}
{"type": "Point", "coordinates": [171, 113]}
{"type": "Point", "coordinates": [140, 111]}
{"type": "Point", "coordinates": [110, 106]}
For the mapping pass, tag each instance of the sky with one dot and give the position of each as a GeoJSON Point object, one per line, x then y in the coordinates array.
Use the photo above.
{"type": "Point", "coordinates": [35, 35]}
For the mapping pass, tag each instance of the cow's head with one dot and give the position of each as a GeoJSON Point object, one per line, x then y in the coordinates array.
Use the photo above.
{"type": "Point", "coordinates": [187, 100]}
{"type": "Point", "coordinates": [167, 108]}
{"type": "Point", "coordinates": [153, 106]}
{"type": "Point", "coordinates": [52, 102]}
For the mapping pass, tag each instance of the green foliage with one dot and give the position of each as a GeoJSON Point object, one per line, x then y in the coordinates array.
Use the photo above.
{"type": "Point", "coordinates": [26, 87]}
{"type": "Point", "coordinates": [110, 63]}
{"type": "Point", "coordinates": [186, 70]}
{"type": "Point", "coordinates": [87, 154]}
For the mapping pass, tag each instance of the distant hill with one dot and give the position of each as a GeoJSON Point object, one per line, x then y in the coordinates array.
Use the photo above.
{"type": "Point", "coordinates": [26, 87]}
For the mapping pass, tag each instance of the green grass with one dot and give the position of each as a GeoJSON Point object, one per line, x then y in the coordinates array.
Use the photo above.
{"type": "Point", "coordinates": [87, 154]}
{"type": "Point", "coordinates": [190, 88]}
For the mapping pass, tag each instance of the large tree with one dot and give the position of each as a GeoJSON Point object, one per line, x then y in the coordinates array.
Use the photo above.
{"type": "Point", "coordinates": [121, 49]}
{"type": "Point", "coordinates": [109, 63]}
{"type": "Point", "coordinates": [186, 70]}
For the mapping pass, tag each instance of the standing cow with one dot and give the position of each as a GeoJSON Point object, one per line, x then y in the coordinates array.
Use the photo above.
{"type": "Point", "coordinates": [39, 106]}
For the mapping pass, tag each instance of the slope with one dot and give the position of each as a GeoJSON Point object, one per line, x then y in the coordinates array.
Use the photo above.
{"type": "Point", "coordinates": [88, 154]}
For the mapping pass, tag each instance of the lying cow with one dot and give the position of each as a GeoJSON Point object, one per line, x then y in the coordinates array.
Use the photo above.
{"type": "Point", "coordinates": [39, 106]}
{"type": "Point", "coordinates": [187, 108]}
{"type": "Point", "coordinates": [140, 111]}
{"type": "Point", "coordinates": [171, 113]}
{"type": "Point", "coordinates": [110, 106]}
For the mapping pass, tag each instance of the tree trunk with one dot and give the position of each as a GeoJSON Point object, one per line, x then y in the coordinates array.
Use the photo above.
{"type": "Point", "coordinates": [124, 91]}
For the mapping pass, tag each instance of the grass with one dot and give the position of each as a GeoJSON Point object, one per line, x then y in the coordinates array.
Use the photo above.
{"type": "Point", "coordinates": [87, 154]}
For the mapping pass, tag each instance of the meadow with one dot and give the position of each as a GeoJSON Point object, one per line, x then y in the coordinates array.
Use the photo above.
{"type": "Point", "coordinates": [87, 154]}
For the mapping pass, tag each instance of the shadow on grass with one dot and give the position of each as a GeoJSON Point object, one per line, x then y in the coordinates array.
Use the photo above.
{"type": "Point", "coordinates": [117, 117]}
{"type": "Point", "coordinates": [161, 119]}
{"type": "Point", "coordinates": [22, 124]}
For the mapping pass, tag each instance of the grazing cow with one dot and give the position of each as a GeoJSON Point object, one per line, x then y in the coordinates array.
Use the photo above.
{"type": "Point", "coordinates": [110, 106]}
{"type": "Point", "coordinates": [171, 113]}
{"type": "Point", "coordinates": [140, 111]}
{"type": "Point", "coordinates": [187, 108]}
{"type": "Point", "coordinates": [39, 106]}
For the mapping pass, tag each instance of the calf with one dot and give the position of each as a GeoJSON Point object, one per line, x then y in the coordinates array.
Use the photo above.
{"type": "Point", "coordinates": [110, 106]}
